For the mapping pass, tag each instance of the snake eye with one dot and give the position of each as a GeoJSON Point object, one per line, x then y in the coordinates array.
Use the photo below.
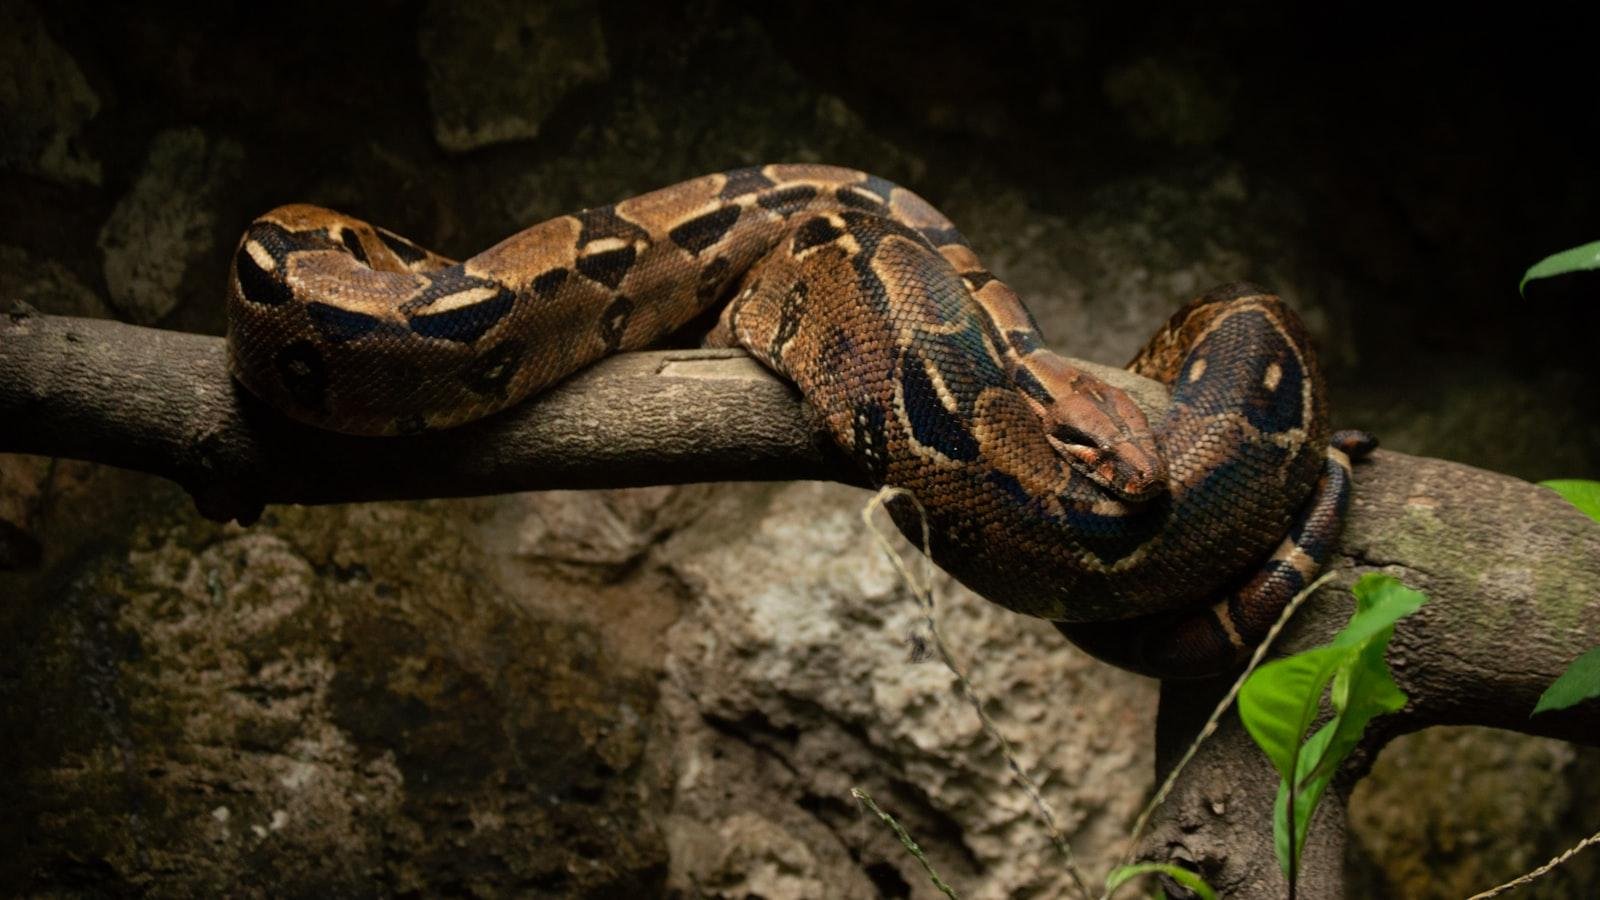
{"type": "Point", "coordinates": [1082, 451]}
{"type": "Point", "coordinates": [1102, 462]}
{"type": "Point", "coordinates": [1074, 437]}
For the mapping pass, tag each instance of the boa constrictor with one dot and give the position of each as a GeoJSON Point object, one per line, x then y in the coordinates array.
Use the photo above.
{"type": "Point", "coordinates": [1168, 549]}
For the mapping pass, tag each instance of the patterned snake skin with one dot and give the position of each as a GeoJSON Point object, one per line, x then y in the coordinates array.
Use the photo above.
{"type": "Point", "coordinates": [1168, 549]}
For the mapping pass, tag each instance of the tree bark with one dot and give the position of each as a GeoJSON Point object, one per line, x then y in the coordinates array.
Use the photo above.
{"type": "Point", "coordinates": [1512, 571]}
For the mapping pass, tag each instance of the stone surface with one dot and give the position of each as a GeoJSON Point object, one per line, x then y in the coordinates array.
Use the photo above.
{"type": "Point", "coordinates": [1165, 100]}
{"type": "Point", "coordinates": [496, 70]}
{"type": "Point", "coordinates": [1150, 242]}
{"type": "Point", "coordinates": [604, 530]}
{"type": "Point", "coordinates": [45, 101]}
{"type": "Point", "coordinates": [806, 642]}
{"type": "Point", "coordinates": [46, 285]}
{"type": "Point", "coordinates": [166, 225]}
{"type": "Point", "coordinates": [1433, 818]}
{"type": "Point", "coordinates": [300, 707]}
{"type": "Point", "coordinates": [22, 502]}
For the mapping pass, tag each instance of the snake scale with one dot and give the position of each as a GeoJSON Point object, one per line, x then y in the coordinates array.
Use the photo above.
{"type": "Point", "coordinates": [1167, 548]}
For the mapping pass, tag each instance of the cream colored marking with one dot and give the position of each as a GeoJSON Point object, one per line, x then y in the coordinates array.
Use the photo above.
{"type": "Point", "coordinates": [1221, 612]}
{"type": "Point", "coordinates": [1303, 563]}
{"type": "Point", "coordinates": [1273, 376]}
{"type": "Point", "coordinates": [1297, 558]}
{"type": "Point", "coordinates": [931, 454]}
{"type": "Point", "coordinates": [458, 300]}
{"type": "Point", "coordinates": [1197, 370]}
{"type": "Point", "coordinates": [1108, 506]}
{"type": "Point", "coordinates": [1246, 304]}
{"type": "Point", "coordinates": [845, 240]}
{"type": "Point", "coordinates": [1000, 304]}
{"type": "Point", "coordinates": [915, 211]}
{"type": "Point", "coordinates": [960, 257]}
{"type": "Point", "coordinates": [704, 209]}
{"type": "Point", "coordinates": [936, 378]}
{"type": "Point", "coordinates": [831, 176]}
{"type": "Point", "coordinates": [604, 245]}
{"type": "Point", "coordinates": [261, 256]}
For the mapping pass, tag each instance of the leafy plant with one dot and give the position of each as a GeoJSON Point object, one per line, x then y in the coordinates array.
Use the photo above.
{"type": "Point", "coordinates": [1567, 262]}
{"type": "Point", "coordinates": [1121, 875]}
{"type": "Point", "coordinates": [1282, 699]}
{"type": "Point", "coordinates": [1581, 680]}
{"type": "Point", "coordinates": [1585, 495]}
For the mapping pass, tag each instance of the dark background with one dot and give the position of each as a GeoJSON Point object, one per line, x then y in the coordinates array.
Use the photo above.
{"type": "Point", "coordinates": [1420, 159]}
{"type": "Point", "coordinates": [1392, 171]}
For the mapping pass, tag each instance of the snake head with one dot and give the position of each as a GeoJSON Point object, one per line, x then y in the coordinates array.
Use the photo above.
{"type": "Point", "coordinates": [1103, 436]}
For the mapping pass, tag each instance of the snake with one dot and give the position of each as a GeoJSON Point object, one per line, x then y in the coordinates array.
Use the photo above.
{"type": "Point", "coordinates": [1166, 547]}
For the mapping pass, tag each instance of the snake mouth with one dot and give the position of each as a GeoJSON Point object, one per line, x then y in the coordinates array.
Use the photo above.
{"type": "Point", "coordinates": [1103, 465]}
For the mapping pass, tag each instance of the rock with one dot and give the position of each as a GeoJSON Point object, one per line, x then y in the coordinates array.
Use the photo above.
{"type": "Point", "coordinates": [751, 856]}
{"type": "Point", "coordinates": [606, 530]}
{"type": "Point", "coordinates": [46, 285]}
{"type": "Point", "coordinates": [44, 100]}
{"type": "Point", "coordinates": [166, 224]}
{"type": "Point", "coordinates": [1450, 812]}
{"type": "Point", "coordinates": [1101, 282]}
{"type": "Point", "coordinates": [804, 642]}
{"type": "Point", "coordinates": [22, 486]}
{"type": "Point", "coordinates": [495, 70]}
{"type": "Point", "coordinates": [1166, 101]}
{"type": "Point", "coordinates": [327, 713]}
{"type": "Point", "coordinates": [696, 116]}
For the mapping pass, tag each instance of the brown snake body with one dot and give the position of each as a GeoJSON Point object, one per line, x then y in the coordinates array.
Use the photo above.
{"type": "Point", "coordinates": [1046, 490]}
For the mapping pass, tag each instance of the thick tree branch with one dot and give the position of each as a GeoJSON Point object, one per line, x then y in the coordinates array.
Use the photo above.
{"type": "Point", "coordinates": [162, 402]}
{"type": "Point", "coordinates": [1513, 572]}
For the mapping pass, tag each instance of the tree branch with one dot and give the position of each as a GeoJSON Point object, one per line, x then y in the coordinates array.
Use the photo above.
{"type": "Point", "coordinates": [1513, 572]}
{"type": "Point", "coordinates": [162, 402]}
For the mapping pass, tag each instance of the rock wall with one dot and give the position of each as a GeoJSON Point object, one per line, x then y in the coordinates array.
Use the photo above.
{"type": "Point", "coordinates": [672, 691]}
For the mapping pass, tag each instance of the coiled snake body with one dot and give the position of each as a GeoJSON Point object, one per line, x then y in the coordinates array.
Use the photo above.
{"type": "Point", "coordinates": [1167, 548]}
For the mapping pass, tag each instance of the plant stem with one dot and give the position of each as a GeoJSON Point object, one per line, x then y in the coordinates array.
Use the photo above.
{"type": "Point", "coordinates": [1294, 837]}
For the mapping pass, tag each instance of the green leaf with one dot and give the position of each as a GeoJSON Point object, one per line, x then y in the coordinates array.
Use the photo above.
{"type": "Point", "coordinates": [1381, 601]}
{"type": "Point", "coordinates": [1363, 689]}
{"type": "Point", "coordinates": [1121, 875]}
{"type": "Point", "coordinates": [1585, 495]}
{"type": "Point", "coordinates": [1279, 708]}
{"type": "Point", "coordinates": [1580, 682]}
{"type": "Point", "coordinates": [1305, 799]}
{"type": "Point", "coordinates": [1575, 260]}
{"type": "Point", "coordinates": [1279, 701]}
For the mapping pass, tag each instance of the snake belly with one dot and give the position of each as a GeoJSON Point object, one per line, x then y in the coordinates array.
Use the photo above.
{"type": "Point", "coordinates": [1160, 546]}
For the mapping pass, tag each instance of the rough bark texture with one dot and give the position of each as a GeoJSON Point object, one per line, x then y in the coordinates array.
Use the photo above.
{"type": "Point", "coordinates": [162, 402]}
{"type": "Point", "coordinates": [1512, 570]}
